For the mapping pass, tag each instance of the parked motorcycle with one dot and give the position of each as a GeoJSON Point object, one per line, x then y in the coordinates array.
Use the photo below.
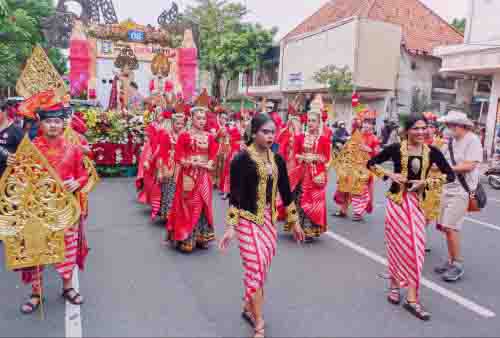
{"type": "Point", "coordinates": [493, 175]}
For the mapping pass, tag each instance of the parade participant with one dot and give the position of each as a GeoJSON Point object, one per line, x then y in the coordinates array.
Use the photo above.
{"type": "Point", "coordinates": [67, 160]}
{"type": "Point", "coordinates": [236, 136]}
{"type": "Point", "coordinates": [190, 221]}
{"type": "Point", "coordinates": [167, 168]}
{"type": "Point", "coordinates": [361, 203]}
{"type": "Point", "coordinates": [257, 175]}
{"type": "Point", "coordinates": [10, 138]}
{"type": "Point", "coordinates": [223, 140]}
{"type": "Point", "coordinates": [405, 221]}
{"type": "Point", "coordinates": [309, 178]}
{"type": "Point", "coordinates": [465, 153]}
{"type": "Point", "coordinates": [145, 173]}
{"type": "Point", "coordinates": [432, 202]}
{"type": "Point", "coordinates": [286, 141]}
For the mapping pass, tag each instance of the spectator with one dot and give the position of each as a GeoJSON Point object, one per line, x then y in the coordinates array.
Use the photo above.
{"type": "Point", "coordinates": [467, 155]}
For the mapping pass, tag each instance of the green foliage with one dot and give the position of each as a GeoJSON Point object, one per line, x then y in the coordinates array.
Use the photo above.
{"type": "Point", "coordinates": [337, 79]}
{"type": "Point", "coordinates": [228, 45]}
{"type": "Point", "coordinates": [20, 30]}
{"type": "Point", "coordinates": [459, 24]}
{"type": "Point", "coordinates": [58, 59]}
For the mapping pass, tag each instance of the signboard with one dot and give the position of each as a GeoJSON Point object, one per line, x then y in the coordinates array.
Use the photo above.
{"type": "Point", "coordinates": [136, 36]}
{"type": "Point", "coordinates": [111, 49]}
{"type": "Point", "coordinates": [296, 80]}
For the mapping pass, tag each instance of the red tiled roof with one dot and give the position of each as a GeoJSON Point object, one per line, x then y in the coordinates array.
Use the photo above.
{"type": "Point", "coordinates": [423, 29]}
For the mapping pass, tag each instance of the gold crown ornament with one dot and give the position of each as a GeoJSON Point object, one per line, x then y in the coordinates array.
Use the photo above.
{"type": "Point", "coordinates": [40, 75]}
{"type": "Point", "coordinates": [35, 209]}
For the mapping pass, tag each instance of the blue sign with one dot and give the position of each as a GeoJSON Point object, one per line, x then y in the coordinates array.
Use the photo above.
{"type": "Point", "coordinates": [136, 36]}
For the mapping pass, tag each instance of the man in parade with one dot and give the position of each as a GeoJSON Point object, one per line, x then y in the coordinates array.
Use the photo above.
{"type": "Point", "coordinates": [67, 160]}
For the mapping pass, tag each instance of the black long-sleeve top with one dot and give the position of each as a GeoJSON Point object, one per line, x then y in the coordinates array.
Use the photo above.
{"type": "Point", "coordinates": [253, 188]}
{"type": "Point", "coordinates": [393, 153]}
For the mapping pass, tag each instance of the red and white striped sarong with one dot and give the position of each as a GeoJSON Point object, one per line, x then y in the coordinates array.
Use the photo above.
{"type": "Point", "coordinates": [257, 248]}
{"type": "Point", "coordinates": [64, 269]}
{"type": "Point", "coordinates": [360, 203]}
{"type": "Point", "coordinates": [405, 240]}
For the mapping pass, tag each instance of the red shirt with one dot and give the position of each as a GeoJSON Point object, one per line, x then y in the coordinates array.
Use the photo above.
{"type": "Point", "coordinates": [64, 157]}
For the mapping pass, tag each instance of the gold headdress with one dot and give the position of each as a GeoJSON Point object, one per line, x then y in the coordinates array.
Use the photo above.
{"type": "Point", "coordinates": [35, 209]}
{"type": "Point", "coordinates": [40, 75]}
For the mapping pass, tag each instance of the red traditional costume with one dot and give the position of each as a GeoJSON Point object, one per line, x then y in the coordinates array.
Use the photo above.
{"type": "Point", "coordinates": [236, 145]}
{"type": "Point", "coordinates": [362, 203]}
{"type": "Point", "coordinates": [191, 219]}
{"type": "Point", "coordinates": [67, 160]}
{"type": "Point", "coordinates": [309, 180]}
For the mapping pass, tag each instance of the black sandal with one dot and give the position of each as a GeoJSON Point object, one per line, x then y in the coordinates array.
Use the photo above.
{"type": "Point", "coordinates": [32, 306]}
{"type": "Point", "coordinates": [417, 310]}
{"type": "Point", "coordinates": [72, 300]}
{"type": "Point", "coordinates": [248, 317]}
{"type": "Point", "coordinates": [394, 296]}
{"type": "Point", "coordinates": [340, 214]}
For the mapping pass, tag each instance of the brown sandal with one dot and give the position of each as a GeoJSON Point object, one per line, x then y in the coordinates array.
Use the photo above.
{"type": "Point", "coordinates": [72, 300]}
{"type": "Point", "coordinates": [394, 296]}
{"type": "Point", "coordinates": [32, 306]}
{"type": "Point", "coordinates": [417, 310]}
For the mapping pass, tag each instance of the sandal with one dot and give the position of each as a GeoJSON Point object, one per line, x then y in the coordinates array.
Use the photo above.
{"type": "Point", "coordinates": [260, 331]}
{"type": "Point", "coordinates": [340, 214]}
{"type": "Point", "coordinates": [248, 317]}
{"type": "Point", "coordinates": [417, 310]}
{"type": "Point", "coordinates": [32, 306]}
{"type": "Point", "coordinates": [394, 296]}
{"type": "Point", "coordinates": [72, 300]}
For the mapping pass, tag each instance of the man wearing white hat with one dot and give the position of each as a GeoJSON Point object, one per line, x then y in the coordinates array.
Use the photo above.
{"type": "Point", "coordinates": [465, 146]}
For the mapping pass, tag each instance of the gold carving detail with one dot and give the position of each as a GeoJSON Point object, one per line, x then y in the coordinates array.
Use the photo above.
{"type": "Point", "coordinates": [350, 164]}
{"type": "Point", "coordinates": [40, 75]}
{"type": "Point", "coordinates": [35, 209]}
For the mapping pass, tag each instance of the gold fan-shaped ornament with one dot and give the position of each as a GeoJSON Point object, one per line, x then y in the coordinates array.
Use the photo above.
{"type": "Point", "coordinates": [35, 209]}
{"type": "Point", "coordinates": [160, 66]}
{"type": "Point", "coordinates": [40, 75]}
{"type": "Point", "coordinates": [350, 165]}
{"type": "Point", "coordinates": [71, 136]}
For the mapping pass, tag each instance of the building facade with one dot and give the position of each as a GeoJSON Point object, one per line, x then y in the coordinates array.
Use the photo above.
{"type": "Point", "coordinates": [479, 58]}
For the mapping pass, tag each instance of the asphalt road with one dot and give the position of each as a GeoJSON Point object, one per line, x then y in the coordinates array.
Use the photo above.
{"type": "Point", "coordinates": [135, 286]}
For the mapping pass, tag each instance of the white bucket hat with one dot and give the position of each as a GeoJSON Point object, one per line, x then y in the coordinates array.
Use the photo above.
{"type": "Point", "coordinates": [457, 117]}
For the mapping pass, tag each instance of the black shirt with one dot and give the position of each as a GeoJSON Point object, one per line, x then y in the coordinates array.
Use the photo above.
{"type": "Point", "coordinates": [393, 153]}
{"type": "Point", "coordinates": [10, 138]}
{"type": "Point", "coordinates": [245, 179]}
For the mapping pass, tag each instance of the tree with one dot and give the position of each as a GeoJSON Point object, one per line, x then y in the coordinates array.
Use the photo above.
{"type": "Point", "coordinates": [338, 80]}
{"type": "Point", "coordinates": [459, 24]}
{"type": "Point", "coordinates": [227, 45]}
{"type": "Point", "coordinates": [20, 30]}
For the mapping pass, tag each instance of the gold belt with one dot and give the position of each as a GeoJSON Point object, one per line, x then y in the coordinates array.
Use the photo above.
{"type": "Point", "coordinates": [199, 158]}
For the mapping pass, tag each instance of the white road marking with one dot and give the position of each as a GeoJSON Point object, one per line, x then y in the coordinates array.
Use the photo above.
{"type": "Point", "coordinates": [73, 322]}
{"type": "Point", "coordinates": [466, 303]}
{"type": "Point", "coordinates": [488, 225]}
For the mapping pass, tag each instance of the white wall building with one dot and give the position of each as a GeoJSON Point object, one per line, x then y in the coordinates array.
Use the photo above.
{"type": "Point", "coordinates": [478, 56]}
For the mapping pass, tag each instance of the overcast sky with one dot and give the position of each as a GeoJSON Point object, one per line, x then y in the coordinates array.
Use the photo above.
{"type": "Point", "coordinates": [285, 14]}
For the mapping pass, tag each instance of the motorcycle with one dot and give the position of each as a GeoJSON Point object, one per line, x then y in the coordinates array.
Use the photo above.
{"type": "Point", "coordinates": [493, 175]}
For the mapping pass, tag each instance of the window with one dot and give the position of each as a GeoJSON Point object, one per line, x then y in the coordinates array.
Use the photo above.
{"type": "Point", "coordinates": [484, 86]}
{"type": "Point", "coordinates": [443, 83]}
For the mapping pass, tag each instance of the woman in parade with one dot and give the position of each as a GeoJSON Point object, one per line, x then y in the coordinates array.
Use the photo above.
{"type": "Point", "coordinates": [166, 168]}
{"type": "Point", "coordinates": [405, 220]}
{"type": "Point", "coordinates": [223, 140]}
{"type": "Point", "coordinates": [361, 203]}
{"type": "Point", "coordinates": [236, 138]}
{"type": "Point", "coordinates": [309, 179]}
{"type": "Point", "coordinates": [257, 175]}
{"type": "Point", "coordinates": [190, 222]}
{"type": "Point", "coordinates": [431, 205]}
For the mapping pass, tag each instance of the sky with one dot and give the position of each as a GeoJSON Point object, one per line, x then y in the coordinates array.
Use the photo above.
{"type": "Point", "coordinates": [284, 14]}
